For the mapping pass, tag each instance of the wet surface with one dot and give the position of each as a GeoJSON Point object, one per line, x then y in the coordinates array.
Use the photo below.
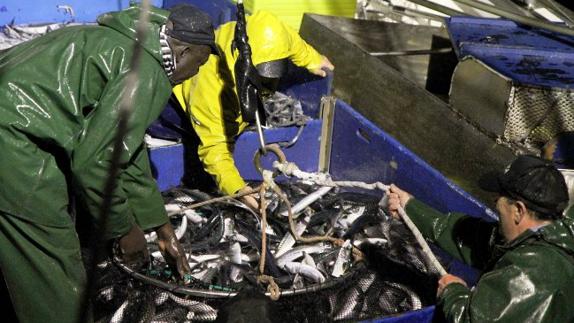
{"type": "Point", "coordinates": [321, 280]}
{"type": "Point", "coordinates": [524, 54]}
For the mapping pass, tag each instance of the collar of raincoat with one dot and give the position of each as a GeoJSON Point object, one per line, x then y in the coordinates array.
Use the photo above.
{"type": "Point", "coordinates": [268, 38]}
{"type": "Point", "coordinates": [125, 22]}
{"type": "Point", "coordinates": [559, 233]}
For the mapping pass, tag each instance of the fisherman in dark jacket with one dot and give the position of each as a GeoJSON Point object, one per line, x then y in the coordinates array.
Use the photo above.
{"type": "Point", "coordinates": [60, 96]}
{"type": "Point", "coordinates": [527, 260]}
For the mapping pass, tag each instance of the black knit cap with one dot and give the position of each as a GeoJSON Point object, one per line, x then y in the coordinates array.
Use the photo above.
{"type": "Point", "coordinates": [534, 181]}
{"type": "Point", "coordinates": [191, 25]}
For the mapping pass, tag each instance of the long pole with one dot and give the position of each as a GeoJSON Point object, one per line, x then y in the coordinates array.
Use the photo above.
{"type": "Point", "coordinates": [518, 18]}
{"type": "Point", "coordinates": [125, 111]}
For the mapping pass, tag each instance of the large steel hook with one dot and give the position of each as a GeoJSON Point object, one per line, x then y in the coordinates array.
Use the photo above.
{"type": "Point", "coordinates": [275, 149]}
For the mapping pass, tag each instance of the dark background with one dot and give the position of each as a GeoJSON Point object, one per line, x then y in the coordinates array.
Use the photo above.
{"type": "Point", "coordinates": [567, 3]}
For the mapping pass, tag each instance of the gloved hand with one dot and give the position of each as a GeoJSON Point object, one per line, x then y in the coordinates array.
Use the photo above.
{"type": "Point", "coordinates": [172, 251]}
{"type": "Point", "coordinates": [325, 65]}
{"type": "Point", "coordinates": [251, 199]}
{"type": "Point", "coordinates": [133, 248]}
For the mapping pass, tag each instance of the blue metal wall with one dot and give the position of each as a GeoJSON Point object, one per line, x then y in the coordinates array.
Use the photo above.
{"type": "Point", "coordinates": [362, 151]}
{"type": "Point", "coordinates": [59, 11]}
{"type": "Point", "coordinates": [529, 56]}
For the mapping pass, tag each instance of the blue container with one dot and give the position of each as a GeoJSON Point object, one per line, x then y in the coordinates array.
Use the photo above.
{"type": "Point", "coordinates": [527, 55]}
{"type": "Point", "coordinates": [360, 151]}
{"type": "Point", "coordinates": [58, 11]}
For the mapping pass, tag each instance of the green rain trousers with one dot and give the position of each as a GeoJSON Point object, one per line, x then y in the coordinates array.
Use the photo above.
{"type": "Point", "coordinates": [54, 277]}
{"type": "Point", "coordinates": [59, 101]}
{"type": "Point", "coordinates": [530, 279]}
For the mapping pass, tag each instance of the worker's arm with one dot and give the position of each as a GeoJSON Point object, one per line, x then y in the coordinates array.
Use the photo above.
{"type": "Point", "coordinates": [466, 238]}
{"type": "Point", "coordinates": [203, 98]}
{"type": "Point", "coordinates": [91, 160]}
{"type": "Point", "coordinates": [141, 191]}
{"type": "Point", "coordinates": [304, 55]}
{"type": "Point", "coordinates": [216, 152]}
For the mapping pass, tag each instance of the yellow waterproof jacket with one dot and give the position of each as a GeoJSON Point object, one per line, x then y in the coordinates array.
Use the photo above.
{"type": "Point", "coordinates": [210, 98]}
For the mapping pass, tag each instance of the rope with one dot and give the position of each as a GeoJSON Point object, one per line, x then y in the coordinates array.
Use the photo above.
{"type": "Point", "coordinates": [292, 227]}
{"type": "Point", "coordinates": [268, 182]}
{"type": "Point", "coordinates": [263, 213]}
{"type": "Point", "coordinates": [272, 287]}
{"type": "Point", "coordinates": [221, 198]}
{"type": "Point", "coordinates": [290, 169]}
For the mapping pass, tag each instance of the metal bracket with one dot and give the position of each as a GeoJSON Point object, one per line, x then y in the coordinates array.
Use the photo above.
{"type": "Point", "coordinates": [327, 115]}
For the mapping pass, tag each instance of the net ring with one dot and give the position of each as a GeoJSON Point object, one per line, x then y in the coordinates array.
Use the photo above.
{"type": "Point", "coordinates": [275, 149]}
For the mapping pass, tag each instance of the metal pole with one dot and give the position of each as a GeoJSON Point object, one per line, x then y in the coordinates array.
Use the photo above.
{"type": "Point", "coordinates": [125, 111]}
{"type": "Point", "coordinates": [413, 52]}
{"type": "Point", "coordinates": [518, 18]}
{"type": "Point", "coordinates": [560, 11]}
{"type": "Point", "coordinates": [440, 8]}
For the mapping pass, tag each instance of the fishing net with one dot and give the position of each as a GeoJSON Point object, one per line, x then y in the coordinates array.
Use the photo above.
{"type": "Point", "coordinates": [282, 110]}
{"type": "Point", "coordinates": [318, 282]}
{"type": "Point", "coordinates": [535, 115]}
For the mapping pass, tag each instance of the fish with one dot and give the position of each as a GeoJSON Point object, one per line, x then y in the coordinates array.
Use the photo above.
{"type": "Point", "coordinates": [194, 216]}
{"type": "Point", "coordinates": [308, 260]}
{"type": "Point", "coordinates": [222, 243]}
{"type": "Point", "coordinates": [234, 255]}
{"type": "Point", "coordinates": [179, 231]}
{"type": "Point", "coordinates": [373, 241]}
{"type": "Point", "coordinates": [368, 218]}
{"type": "Point", "coordinates": [307, 200]}
{"type": "Point", "coordinates": [299, 252]}
{"type": "Point", "coordinates": [343, 259]}
{"type": "Point", "coordinates": [208, 235]}
{"type": "Point", "coordinates": [120, 312]}
{"type": "Point", "coordinates": [195, 260]}
{"type": "Point", "coordinates": [305, 270]}
{"type": "Point", "coordinates": [255, 240]}
{"type": "Point", "coordinates": [170, 315]}
{"type": "Point", "coordinates": [350, 303]}
{"type": "Point", "coordinates": [288, 240]}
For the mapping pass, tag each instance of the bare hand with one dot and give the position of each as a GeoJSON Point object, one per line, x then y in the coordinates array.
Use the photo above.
{"type": "Point", "coordinates": [447, 280]}
{"type": "Point", "coordinates": [397, 199]}
{"type": "Point", "coordinates": [133, 248]}
{"type": "Point", "coordinates": [249, 200]}
{"type": "Point", "coordinates": [172, 251]}
{"type": "Point", "coordinates": [325, 65]}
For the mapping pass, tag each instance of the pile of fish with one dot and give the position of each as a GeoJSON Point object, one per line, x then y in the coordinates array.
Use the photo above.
{"type": "Point", "coordinates": [322, 280]}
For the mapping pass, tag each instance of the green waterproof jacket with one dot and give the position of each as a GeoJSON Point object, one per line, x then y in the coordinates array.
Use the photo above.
{"type": "Point", "coordinates": [59, 101]}
{"type": "Point", "coordinates": [530, 279]}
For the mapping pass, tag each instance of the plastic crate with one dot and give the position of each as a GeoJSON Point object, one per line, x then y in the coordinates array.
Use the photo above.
{"type": "Point", "coordinates": [291, 11]}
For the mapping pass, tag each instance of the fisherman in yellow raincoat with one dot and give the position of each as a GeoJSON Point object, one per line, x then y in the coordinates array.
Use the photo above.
{"type": "Point", "coordinates": [210, 98]}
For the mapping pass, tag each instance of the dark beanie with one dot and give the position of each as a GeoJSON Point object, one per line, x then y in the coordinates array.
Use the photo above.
{"type": "Point", "coordinates": [192, 26]}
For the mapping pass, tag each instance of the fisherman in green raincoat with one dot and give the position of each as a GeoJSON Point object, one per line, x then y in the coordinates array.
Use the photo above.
{"type": "Point", "coordinates": [527, 260]}
{"type": "Point", "coordinates": [59, 100]}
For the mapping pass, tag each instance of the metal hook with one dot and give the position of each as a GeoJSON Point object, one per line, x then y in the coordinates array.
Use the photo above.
{"type": "Point", "coordinates": [275, 149]}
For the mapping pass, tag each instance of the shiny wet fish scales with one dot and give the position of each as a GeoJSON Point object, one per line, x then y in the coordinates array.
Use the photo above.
{"type": "Point", "coordinates": [341, 297]}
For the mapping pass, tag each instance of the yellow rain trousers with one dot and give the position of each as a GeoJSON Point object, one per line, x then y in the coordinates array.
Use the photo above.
{"type": "Point", "coordinates": [210, 98]}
